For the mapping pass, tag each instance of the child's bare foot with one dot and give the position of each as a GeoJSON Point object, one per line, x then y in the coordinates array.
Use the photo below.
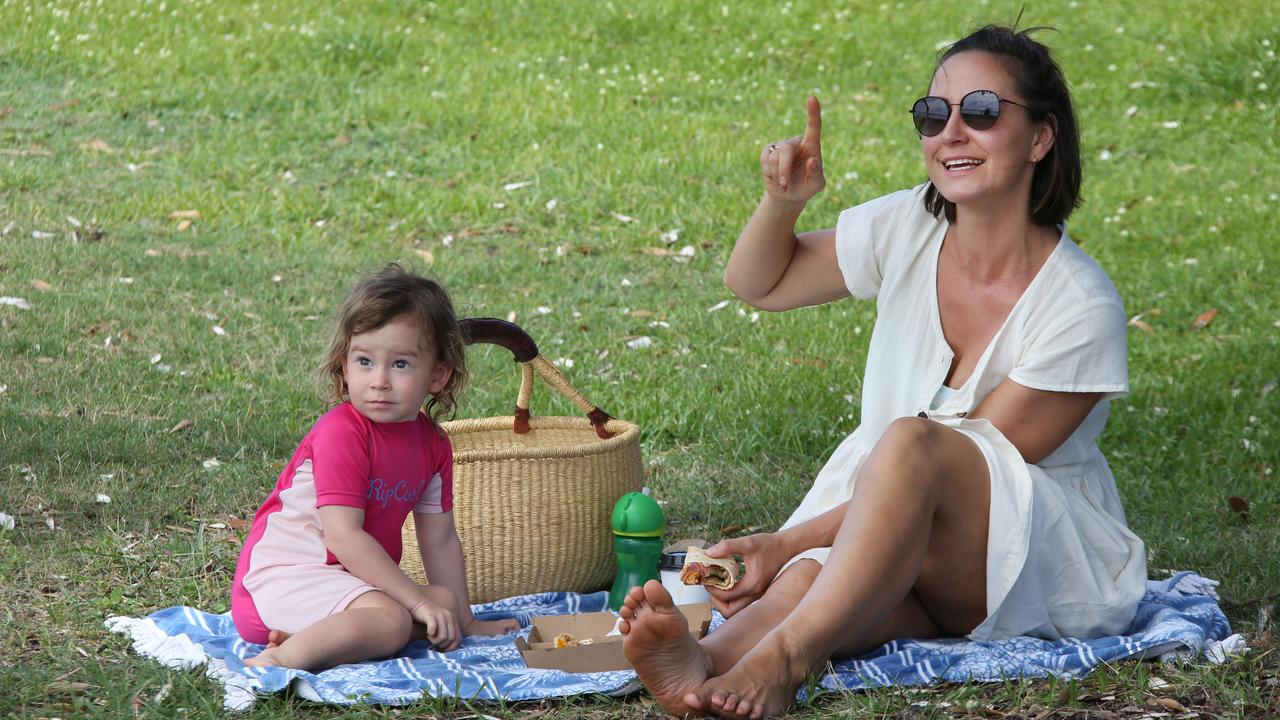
{"type": "Point", "coordinates": [656, 640]}
{"type": "Point", "coordinates": [762, 684]}
{"type": "Point", "coordinates": [267, 658]}
{"type": "Point", "coordinates": [275, 638]}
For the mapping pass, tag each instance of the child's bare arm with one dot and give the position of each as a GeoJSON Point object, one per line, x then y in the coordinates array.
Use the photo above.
{"type": "Point", "coordinates": [362, 556]}
{"type": "Point", "coordinates": [443, 562]}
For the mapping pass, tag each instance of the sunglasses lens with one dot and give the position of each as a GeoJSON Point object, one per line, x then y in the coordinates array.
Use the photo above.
{"type": "Point", "coordinates": [980, 109]}
{"type": "Point", "coordinates": [930, 115]}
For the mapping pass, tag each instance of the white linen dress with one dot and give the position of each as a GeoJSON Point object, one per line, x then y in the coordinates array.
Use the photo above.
{"type": "Point", "coordinates": [1061, 561]}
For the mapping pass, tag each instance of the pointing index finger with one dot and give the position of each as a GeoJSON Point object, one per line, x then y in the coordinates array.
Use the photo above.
{"type": "Point", "coordinates": [813, 129]}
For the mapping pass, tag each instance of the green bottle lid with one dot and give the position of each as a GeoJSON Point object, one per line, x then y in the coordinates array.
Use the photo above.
{"type": "Point", "coordinates": [638, 515]}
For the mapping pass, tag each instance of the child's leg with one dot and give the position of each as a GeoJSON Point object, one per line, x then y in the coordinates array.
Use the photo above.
{"type": "Point", "coordinates": [373, 625]}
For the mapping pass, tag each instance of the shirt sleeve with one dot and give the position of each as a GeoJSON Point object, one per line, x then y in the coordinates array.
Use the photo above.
{"type": "Point", "coordinates": [438, 496]}
{"type": "Point", "coordinates": [340, 461]}
{"type": "Point", "coordinates": [864, 239]}
{"type": "Point", "coordinates": [1084, 351]}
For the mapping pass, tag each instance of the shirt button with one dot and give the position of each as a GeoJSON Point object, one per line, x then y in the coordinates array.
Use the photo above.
{"type": "Point", "coordinates": [961, 414]}
{"type": "Point", "coordinates": [923, 414]}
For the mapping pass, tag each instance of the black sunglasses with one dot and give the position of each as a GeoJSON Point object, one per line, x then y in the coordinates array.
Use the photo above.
{"type": "Point", "coordinates": [979, 109]}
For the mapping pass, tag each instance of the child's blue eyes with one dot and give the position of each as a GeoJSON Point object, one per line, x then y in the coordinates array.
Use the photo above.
{"type": "Point", "coordinates": [364, 361]}
{"type": "Point", "coordinates": [400, 364]}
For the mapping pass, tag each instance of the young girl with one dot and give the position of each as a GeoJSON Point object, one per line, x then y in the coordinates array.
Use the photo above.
{"type": "Point", "coordinates": [319, 579]}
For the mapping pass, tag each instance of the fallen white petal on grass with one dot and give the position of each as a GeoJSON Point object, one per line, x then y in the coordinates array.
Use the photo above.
{"type": "Point", "coordinates": [447, 240]}
{"type": "Point", "coordinates": [660, 324]}
{"type": "Point", "coordinates": [106, 476]}
{"type": "Point", "coordinates": [155, 358]}
{"type": "Point", "coordinates": [623, 218]}
{"type": "Point", "coordinates": [211, 463]}
{"type": "Point", "coordinates": [671, 236]}
{"type": "Point", "coordinates": [4, 389]}
{"type": "Point", "coordinates": [42, 235]}
{"type": "Point", "coordinates": [1133, 110]}
{"type": "Point", "coordinates": [562, 250]}
{"type": "Point", "coordinates": [511, 316]}
{"type": "Point", "coordinates": [543, 310]}
{"type": "Point", "coordinates": [640, 343]}
{"type": "Point", "coordinates": [755, 317]}
{"type": "Point", "coordinates": [102, 498]}
{"type": "Point", "coordinates": [126, 281]}
{"type": "Point", "coordinates": [48, 521]}
{"type": "Point", "coordinates": [217, 330]}
{"type": "Point", "coordinates": [517, 185]}
{"type": "Point", "coordinates": [625, 282]}
{"type": "Point", "coordinates": [1170, 125]}
{"type": "Point", "coordinates": [277, 278]}
{"type": "Point", "coordinates": [499, 205]}
{"type": "Point", "coordinates": [551, 204]}
{"type": "Point", "coordinates": [75, 222]}
{"type": "Point", "coordinates": [566, 363]}
{"type": "Point", "coordinates": [718, 306]}
{"type": "Point", "coordinates": [17, 302]}
{"type": "Point", "coordinates": [1104, 155]}
{"type": "Point", "coordinates": [8, 228]}
{"type": "Point", "coordinates": [6, 521]}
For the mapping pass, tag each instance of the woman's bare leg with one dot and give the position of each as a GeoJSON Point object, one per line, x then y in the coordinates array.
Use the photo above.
{"type": "Point", "coordinates": [673, 666]}
{"type": "Point", "coordinates": [917, 524]}
{"type": "Point", "coordinates": [373, 625]}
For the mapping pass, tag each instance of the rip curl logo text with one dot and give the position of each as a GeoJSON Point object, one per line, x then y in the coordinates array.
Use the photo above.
{"type": "Point", "coordinates": [384, 492]}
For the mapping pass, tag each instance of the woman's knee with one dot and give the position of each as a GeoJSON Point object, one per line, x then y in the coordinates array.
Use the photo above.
{"type": "Point", "coordinates": [910, 447]}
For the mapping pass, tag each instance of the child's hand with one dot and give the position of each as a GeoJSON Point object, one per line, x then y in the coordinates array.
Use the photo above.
{"type": "Point", "coordinates": [441, 624]}
{"type": "Point", "coordinates": [491, 627]}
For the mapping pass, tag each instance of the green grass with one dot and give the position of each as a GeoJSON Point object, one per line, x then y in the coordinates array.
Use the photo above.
{"type": "Point", "coordinates": [321, 140]}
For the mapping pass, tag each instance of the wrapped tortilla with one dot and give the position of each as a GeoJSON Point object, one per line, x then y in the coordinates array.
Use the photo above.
{"type": "Point", "coordinates": [702, 569]}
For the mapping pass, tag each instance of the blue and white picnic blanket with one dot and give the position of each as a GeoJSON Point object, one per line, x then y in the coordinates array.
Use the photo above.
{"type": "Point", "coordinates": [1178, 617]}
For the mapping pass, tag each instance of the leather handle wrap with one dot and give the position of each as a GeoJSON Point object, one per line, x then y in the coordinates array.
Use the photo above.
{"type": "Point", "coordinates": [493, 331]}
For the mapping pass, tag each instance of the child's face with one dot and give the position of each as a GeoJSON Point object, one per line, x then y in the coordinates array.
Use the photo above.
{"type": "Point", "coordinates": [390, 372]}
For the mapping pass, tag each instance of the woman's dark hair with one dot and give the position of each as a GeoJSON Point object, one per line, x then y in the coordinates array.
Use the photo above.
{"type": "Point", "coordinates": [1055, 183]}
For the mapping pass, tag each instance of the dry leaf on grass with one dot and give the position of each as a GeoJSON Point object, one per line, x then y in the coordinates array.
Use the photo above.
{"type": "Point", "coordinates": [184, 215]}
{"type": "Point", "coordinates": [95, 145]}
{"type": "Point", "coordinates": [656, 251]}
{"type": "Point", "coordinates": [184, 226]}
{"type": "Point", "coordinates": [1241, 506]}
{"type": "Point", "coordinates": [41, 285]}
{"type": "Point", "coordinates": [182, 425]}
{"type": "Point", "coordinates": [1203, 319]}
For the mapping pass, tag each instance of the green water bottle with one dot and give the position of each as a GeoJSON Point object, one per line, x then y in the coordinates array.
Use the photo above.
{"type": "Point", "coordinates": [638, 524]}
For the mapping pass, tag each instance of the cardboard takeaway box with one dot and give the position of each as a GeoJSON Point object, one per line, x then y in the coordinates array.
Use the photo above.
{"type": "Point", "coordinates": [603, 653]}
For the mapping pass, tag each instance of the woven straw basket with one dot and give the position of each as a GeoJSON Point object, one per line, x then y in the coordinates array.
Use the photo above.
{"type": "Point", "coordinates": [533, 496]}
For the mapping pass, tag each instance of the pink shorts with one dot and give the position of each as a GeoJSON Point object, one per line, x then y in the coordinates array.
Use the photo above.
{"type": "Point", "coordinates": [290, 598]}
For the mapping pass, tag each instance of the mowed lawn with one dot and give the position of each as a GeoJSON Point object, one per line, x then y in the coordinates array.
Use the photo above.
{"type": "Point", "coordinates": [187, 189]}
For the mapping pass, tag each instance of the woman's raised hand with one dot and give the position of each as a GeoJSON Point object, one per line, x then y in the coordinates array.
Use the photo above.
{"type": "Point", "coordinates": [793, 167]}
{"type": "Point", "coordinates": [763, 557]}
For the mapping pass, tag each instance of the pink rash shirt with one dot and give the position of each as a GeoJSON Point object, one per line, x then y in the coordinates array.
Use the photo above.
{"type": "Point", "coordinates": [286, 577]}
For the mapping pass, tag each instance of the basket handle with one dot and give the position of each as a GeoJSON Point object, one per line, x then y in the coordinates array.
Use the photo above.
{"type": "Point", "coordinates": [493, 331]}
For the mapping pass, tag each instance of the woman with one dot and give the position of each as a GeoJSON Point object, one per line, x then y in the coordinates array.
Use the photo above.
{"type": "Point", "coordinates": [972, 500]}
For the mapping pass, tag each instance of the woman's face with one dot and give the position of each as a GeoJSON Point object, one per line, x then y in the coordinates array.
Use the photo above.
{"type": "Point", "coordinates": [994, 163]}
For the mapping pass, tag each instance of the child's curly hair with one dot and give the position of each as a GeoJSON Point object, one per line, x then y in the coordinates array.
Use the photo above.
{"type": "Point", "coordinates": [392, 293]}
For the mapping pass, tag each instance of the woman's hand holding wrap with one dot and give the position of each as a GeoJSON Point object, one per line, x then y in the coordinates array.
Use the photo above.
{"type": "Point", "coordinates": [763, 555]}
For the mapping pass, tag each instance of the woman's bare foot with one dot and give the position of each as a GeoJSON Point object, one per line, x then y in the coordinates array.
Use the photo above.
{"type": "Point", "coordinates": [762, 684]}
{"type": "Point", "coordinates": [656, 640]}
